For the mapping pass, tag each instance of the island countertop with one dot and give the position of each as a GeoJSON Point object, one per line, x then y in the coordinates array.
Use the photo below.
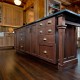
{"type": "Point", "coordinates": [69, 16]}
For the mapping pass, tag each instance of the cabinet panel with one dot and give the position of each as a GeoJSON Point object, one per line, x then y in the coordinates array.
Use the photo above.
{"type": "Point", "coordinates": [47, 40]}
{"type": "Point", "coordinates": [48, 53]}
{"type": "Point", "coordinates": [17, 16]}
{"type": "Point", "coordinates": [17, 37]}
{"type": "Point", "coordinates": [11, 15]}
{"type": "Point", "coordinates": [7, 14]}
{"type": "Point", "coordinates": [46, 31]}
{"type": "Point", "coordinates": [34, 40]}
{"type": "Point", "coordinates": [50, 22]}
{"type": "Point", "coordinates": [28, 39]}
{"type": "Point", "coordinates": [1, 13]}
{"type": "Point", "coordinates": [22, 39]}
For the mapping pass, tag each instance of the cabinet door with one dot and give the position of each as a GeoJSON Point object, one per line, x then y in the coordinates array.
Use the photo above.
{"type": "Point", "coordinates": [18, 16]}
{"type": "Point", "coordinates": [34, 40]}
{"type": "Point", "coordinates": [17, 36]}
{"type": "Point", "coordinates": [0, 13]}
{"type": "Point", "coordinates": [12, 15]}
{"type": "Point", "coordinates": [7, 14]}
{"type": "Point", "coordinates": [28, 39]}
{"type": "Point", "coordinates": [22, 39]}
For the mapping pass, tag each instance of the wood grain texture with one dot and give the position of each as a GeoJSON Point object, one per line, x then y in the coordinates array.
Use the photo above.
{"type": "Point", "coordinates": [17, 67]}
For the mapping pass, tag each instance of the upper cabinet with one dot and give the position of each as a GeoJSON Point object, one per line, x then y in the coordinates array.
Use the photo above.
{"type": "Point", "coordinates": [17, 16]}
{"type": "Point", "coordinates": [0, 13]}
{"type": "Point", "coordinates": [52, 6]}
{"type": "Point", "coordinates": [11, 15]}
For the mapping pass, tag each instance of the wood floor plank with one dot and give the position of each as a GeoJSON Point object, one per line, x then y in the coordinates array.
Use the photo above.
{"type": "Point", "coordinates": [18, 67]}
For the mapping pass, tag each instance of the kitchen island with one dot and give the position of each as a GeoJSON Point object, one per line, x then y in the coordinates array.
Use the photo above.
{"type": "Point", "coordinates": [52, 38]}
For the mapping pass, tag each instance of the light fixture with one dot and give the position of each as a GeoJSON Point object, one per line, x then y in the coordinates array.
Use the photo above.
{"type": "Point", "coordinates": [17, 2]}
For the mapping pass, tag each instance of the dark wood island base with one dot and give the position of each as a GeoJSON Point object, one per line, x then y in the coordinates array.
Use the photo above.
{"type": "Point", "coordinates": [53, 39]}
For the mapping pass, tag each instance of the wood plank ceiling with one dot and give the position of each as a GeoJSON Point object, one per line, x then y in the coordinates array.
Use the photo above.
{"type": "Point", "coordinates": [12, 2]}
{"type": "Point", "coordinates": [64, 2]}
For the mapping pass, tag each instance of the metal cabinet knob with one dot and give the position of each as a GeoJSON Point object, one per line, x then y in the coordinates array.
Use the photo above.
{"type": "Point", "coordinates": [45, 39]}
{"type": "Point", "coordinates": [21, 39]}
{"type": "Point", "coordinates": [41, 31]}
{"type": "Point", "coordinates": [49, 22]}
{"type": "Point", "coordinates": [21, 46]}
{"type": "Point", "coordinates": [41, 24]}
{"type": "Point", "coordinates": [49, 30]}
{"type": "Point", "coordinates": [45, 52]}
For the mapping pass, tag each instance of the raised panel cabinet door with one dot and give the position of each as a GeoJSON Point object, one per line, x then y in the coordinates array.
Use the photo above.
{"type": "Point", "coordinates": [34, 40]}
{"type": "Point", "coordinates": [17, 36]}
{"type": "Point", "coordinates": [48, 53]}
{"type": "Point", "coordinates": [28, 39]}
{"type": "Point", "coordinates": [18, 16]}
{"type": "Point", "coordinates": [7, 14]}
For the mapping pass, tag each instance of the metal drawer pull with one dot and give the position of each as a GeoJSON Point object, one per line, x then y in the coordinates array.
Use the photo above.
{"type": "Point", "coordinates": [41, 24]}
{"type": "Point", "coordinates": [41, 31]}
{"type": "Point", "coordinates": [21, 46]}
{"type": "Point", "coordinates": [21, 38]}
{"type": "Point", "coordinates": [45, 52]}
{"type": "Point", "coordinates": [45, 39]}
{"type": "Point", "coordinates": [49, 30]}
{"type": "Point", "coordinates": [49, 22]}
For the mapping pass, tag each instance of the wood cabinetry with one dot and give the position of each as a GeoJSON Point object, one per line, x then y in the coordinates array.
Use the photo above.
{"type": "Point", "coordinates": [17, 16]}
{"type": "Point", "coordinates": [34, 40]}
{"type": "Point", "coordinates": [7, 40]}
{"type": "Point", "coordinates": [11, 15]}
{"type": "Point", "coordinates": [28, 39]}
{"type": "Point", "coordinates": [50, 39]}
{"type": "Point", "coordinates": [7, 14]}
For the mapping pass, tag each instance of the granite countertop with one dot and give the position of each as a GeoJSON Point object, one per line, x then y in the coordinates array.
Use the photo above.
{"type": "Point", "coordinates": [65, 12]}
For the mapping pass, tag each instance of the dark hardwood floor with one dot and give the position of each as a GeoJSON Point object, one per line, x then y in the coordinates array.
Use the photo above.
{"type": "Point", "coordinates": [18, 67]}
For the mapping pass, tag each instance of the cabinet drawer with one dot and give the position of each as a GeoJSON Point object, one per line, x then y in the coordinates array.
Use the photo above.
{"type": "Point", "coordinates": [41, 31]}
{"type": "Point", "coordinates": [50, 22]}
{"type": "Point", "coordinates": [48, 53]}
{"type": "Point", "coordinates": [41, 24]}
{"type": "Point", "coordinates": [48, 40]}
{"type": "Point", "coordinates": [47, 30]}
{"type": "Point", "coordinates": [50, 30]}
{"type": "Point", "coordinates": [22, 46]}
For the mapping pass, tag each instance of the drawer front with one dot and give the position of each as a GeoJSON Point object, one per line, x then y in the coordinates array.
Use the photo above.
{"type": "Point", "coordinates": [22, 46]}
{"type": "Point", "coordinates": [50, 22]}
{"type": "Point", "coordinates": [47, 40]}
{"type": "Point", "coordinates": [50, 30]}
{"type": "Point", "coordinates": [41, 31]}
{"type": "Point", "coordinates": [48, 53]}
{"type": "Point", "coordinates": [41, 24]}
{"type": "Point", "coordinates": [46, 30]}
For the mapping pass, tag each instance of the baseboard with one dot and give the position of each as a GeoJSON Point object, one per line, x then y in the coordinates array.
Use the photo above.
{"type": "Point", "coordinates": [6, 47]}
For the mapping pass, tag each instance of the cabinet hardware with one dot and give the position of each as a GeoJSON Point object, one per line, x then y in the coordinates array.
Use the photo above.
{"type": "Point", "coordinates": [45, 52]}
{"type": "Point", "coordinates": [41, 24]}
{"type": "Point", "coordinates": [21, 46]}
{"type": "Point", "coordinates": [49, 22]}
{"type": "Point", "coordinates": [41, 31]}
{"type": "Point", "coordinates": [45, 39]}
{"type": "Point", "coordinates": [49, 30]}
{"type": "Point", "coordinates": [21, 39]}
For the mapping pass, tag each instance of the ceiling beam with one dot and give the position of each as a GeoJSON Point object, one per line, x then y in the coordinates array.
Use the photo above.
{"type": "Point", "coordinates": [65, 2]}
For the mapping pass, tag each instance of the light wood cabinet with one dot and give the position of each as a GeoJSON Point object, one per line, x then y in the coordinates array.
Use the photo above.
{"type": "Point", "coordinates": [11, 15]}
{"type": "Point", "coordinates": [7, 14]}
{"type": "Point", "coordinates": [0, 13]}
{"type": "Point", "coordinates": [17, 16]}
{"type": "Point", "coordinates": [7, 40]}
